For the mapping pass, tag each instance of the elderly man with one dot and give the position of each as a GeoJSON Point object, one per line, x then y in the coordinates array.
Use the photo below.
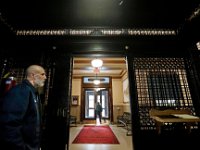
{"type": "Point", "coordinates": [20, 114]}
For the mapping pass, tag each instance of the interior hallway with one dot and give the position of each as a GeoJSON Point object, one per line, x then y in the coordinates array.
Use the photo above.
{"type": "Point", "coordinates": [120, 133]}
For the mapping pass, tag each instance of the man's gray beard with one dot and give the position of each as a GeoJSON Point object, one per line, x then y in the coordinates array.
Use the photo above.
{"type": "Point", "coordinates": [39, 83]}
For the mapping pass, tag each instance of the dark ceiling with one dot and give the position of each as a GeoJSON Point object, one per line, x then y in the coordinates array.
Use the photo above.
{"type": "Point", "coordinates": [65, 14]}
{"type": "Point", "coordinates": [45, 14]}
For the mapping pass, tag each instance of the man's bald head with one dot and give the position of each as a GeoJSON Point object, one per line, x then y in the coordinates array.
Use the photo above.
{"type": "Point", "coordinates": [36, 75]}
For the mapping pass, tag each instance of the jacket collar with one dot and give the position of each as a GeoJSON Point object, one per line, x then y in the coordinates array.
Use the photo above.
{"type": "Point", "coordinates": [30, 85]}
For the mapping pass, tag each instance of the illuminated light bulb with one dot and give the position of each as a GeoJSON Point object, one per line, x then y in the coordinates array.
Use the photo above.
{"type": "Point", "coordinates": [96, 63]}
{"type": "Point", "coordinates": [96, 81]}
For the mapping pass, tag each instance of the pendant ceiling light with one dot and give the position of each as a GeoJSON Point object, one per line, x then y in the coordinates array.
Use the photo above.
{"type": "Point", "coordinates": [96, 63]}
{"type": "Point", "coordinates": [96, 82]}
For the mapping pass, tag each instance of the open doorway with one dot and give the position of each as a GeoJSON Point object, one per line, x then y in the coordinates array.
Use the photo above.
{"type": "Point", "coordinates": [113, 95]}
{"type": "Point", "coordinates": [113, 74]}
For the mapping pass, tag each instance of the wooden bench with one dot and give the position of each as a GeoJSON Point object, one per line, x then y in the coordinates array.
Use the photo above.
{"type": "Point", "coordinates": [125, 121]}
{"type": "Point", "coordinates": [171, 116]}
{"type": "Point", "coordinates": [73, 120]}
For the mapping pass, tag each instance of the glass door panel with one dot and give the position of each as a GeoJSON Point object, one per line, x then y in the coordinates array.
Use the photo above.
{"type": "Point", "coordinates": [89, 104]}
{"type": "Point", "coordinates": [102, 97]}
{"type": "Point", "coordinates": [104, 102]}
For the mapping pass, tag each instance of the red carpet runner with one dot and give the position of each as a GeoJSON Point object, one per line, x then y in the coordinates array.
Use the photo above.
{"type": "Point", "coordinates": [96, 135]}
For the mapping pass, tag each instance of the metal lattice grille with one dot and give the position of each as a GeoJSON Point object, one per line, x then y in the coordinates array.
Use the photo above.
{"type": "Point", "coordinates": [161, 82]}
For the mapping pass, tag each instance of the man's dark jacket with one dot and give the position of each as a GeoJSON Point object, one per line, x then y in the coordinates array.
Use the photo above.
{"type": "Point", "coordinates": [20, 119]}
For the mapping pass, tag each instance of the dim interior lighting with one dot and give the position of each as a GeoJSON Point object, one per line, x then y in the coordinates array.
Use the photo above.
{"type": "Point", "coordinates": [96, 63]}
{"type": "Point", "coordinates": [96, 82]}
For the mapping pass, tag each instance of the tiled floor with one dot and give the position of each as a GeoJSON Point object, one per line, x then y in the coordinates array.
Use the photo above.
{"type": "Point", "coordinates": [125, 141]}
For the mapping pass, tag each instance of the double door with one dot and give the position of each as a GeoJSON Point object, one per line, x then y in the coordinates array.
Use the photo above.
{"type": "Point", "coordinates": [92, 96]}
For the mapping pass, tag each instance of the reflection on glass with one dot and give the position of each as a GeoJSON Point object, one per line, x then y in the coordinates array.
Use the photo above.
{"type": "Point", "coordinates": [91, 101]}
{"type": "Point", "coordinates": [91, 112]}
